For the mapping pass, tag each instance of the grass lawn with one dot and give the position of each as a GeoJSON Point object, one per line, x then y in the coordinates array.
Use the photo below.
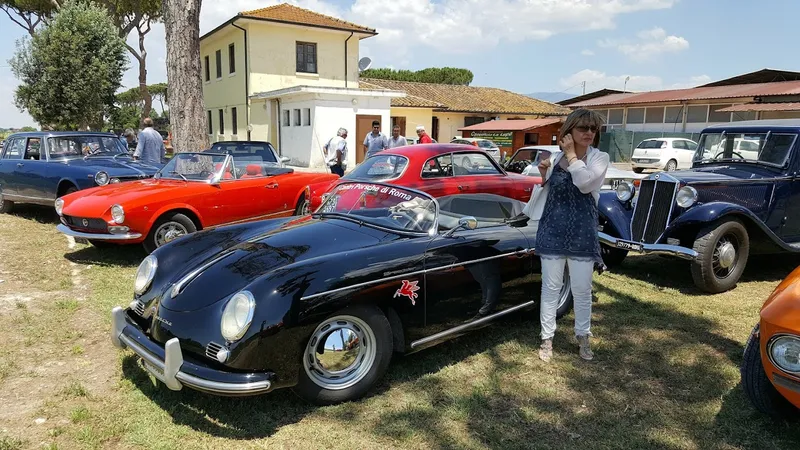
{"type": "Point", "coordinates": [665, 373]}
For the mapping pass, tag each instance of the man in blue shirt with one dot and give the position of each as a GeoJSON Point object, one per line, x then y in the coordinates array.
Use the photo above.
{"type": "Point", "coordinates": [151, 145]}
{"type": "Point", "coordinates": [375, 141]}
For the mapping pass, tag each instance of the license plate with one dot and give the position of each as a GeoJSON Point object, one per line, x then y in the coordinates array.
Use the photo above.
{"type": "Point", "coordinates": [625, 245]}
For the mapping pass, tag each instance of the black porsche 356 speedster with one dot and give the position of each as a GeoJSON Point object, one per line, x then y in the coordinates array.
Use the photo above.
{"type": "Point", "coordinates": [321, 302]}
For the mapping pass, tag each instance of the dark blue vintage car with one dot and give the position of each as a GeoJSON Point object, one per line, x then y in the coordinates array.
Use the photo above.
{"type": "Point", "coordinates": [741, 197]}
{"type": "Point", "coordinates": [39, 167]}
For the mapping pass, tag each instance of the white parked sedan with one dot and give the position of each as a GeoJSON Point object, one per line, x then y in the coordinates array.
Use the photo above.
{"type": "Point", "coordinates": [484, 144]}
{"type": "Point", "coordinates": [663, 154]}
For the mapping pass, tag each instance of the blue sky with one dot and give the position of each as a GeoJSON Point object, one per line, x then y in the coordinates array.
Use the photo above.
{"type": "Point", "coordinates": [531, 45]}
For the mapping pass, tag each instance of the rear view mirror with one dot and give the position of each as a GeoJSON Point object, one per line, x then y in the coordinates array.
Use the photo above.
{"type": "Point", "coordinates": [464, 223]}
{"type": "Point", "coordinates": [285, 159]}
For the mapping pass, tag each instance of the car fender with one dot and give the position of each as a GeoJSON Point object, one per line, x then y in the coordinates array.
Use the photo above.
{"type": "Point", "coordinates": [707, 213]}
{"type": "Point", "coordinates": [84, 183]}
{"type": "Point", "coordinates": [170, 207]}
{"type": "Point", "coordinates": [616, 214]}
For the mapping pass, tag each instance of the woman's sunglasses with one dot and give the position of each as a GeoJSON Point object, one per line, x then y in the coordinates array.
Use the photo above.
{"type": "Point", "coordinates": [585, 129]}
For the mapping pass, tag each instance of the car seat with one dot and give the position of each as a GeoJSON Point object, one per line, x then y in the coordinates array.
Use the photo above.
{"type": "Point", "coordinates": [253, 171]}
{"type": "Point", "coordinates": [227, 175]}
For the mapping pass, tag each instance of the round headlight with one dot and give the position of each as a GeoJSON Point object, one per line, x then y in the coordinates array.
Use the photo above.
{"type": "Point", "coordinates": [59, 206]}
{"type": "Point", "coordinates": [145, 274]}
{"type": "Point", "coordinates": [114, 180]}
{"type": "Point", "coordinates": [237, 316]}
{"type": "Point", "coordinates": [784, 352]}
{"type": "Point", "coordinates": [625, 191]}
{"type": "Point", "coordinates": [101, 178]}
{"type": "Point", "coordinates": [118, 214]}
{"type": "Point", "coordinates": [687, 196]}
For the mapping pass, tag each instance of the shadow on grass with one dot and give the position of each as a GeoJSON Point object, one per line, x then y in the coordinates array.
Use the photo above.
{"type": "Point", "coordinates": [661, 378]}
{"type": "Point", "coordinates": [673, 273]}
{"type": "Point", "coordinates": [41, 214]}
{"type": "Point", "coordinates": [112, 255]}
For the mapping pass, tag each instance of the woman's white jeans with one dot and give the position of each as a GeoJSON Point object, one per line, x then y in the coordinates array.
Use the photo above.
{"type": "Point", "coordinates": [580, 277]}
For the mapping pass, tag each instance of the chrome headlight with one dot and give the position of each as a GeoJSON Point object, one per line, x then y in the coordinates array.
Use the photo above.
{"type": "Point", "coordinates": [687, 196]}
{"type": "Point", "coordinates": [237, 316]}
{"type": "Point", "coordinates": [784, 352]}
{"type": "Point", "coordinates": [145, 274]}
{"type": "Point", "coordinates": [101, 178]}
{"type": "Point", "coordinates": [625, 191]}
{"type": "Point", "coordinates": [114, 180]}
{"type": "Point", "coordinates": [118, 214]}
{"type": "Point", "coordinates": [59, 206]}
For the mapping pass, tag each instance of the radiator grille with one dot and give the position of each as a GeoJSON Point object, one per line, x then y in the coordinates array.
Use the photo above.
{"type": "Point", "coordinates": [653, 208]}
{"type": "Point", "coordinates": [138, 308]}
{"type": "Point", "coordinates": [212, 349]}
{"type": "Point", "coordinates": [91, 224]}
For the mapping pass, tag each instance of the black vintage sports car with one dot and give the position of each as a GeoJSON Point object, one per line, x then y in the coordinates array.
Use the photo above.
{"type": "Point", "coordinates": [322, 302]}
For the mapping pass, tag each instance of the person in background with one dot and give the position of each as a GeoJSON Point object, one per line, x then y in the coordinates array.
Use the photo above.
{"type": "Point", "coordinates": [564, 210]}
{"type": "Point", "coordinates": [336, 152]}
{"type": "Point", "coordinates": [396, 140]}
{"type": "Point", "coordinates": [374, 141]}
{"type": "Point", "coordinates": [151, 146]}
{"type": "Point", "coordinates": [130, 138]}
{"type": "Point", "coordinates": [423, 136]}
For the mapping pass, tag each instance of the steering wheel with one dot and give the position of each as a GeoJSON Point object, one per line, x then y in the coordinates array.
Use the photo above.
{"type": "Point", "coordinates": [206, 174]}
{"type": "Point", "coordinates": [407, 218]}
{"type": "Point", "coordinates": [732, 153]}
{"type": "Point", "coordinates": [517, 166]}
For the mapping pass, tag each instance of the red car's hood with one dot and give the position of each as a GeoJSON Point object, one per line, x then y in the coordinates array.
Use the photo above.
{"type": "Point", "coordinates": [95, 201]}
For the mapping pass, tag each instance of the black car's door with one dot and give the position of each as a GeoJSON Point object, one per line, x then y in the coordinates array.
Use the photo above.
{"type": "Point", "coordinates": [474, 274]}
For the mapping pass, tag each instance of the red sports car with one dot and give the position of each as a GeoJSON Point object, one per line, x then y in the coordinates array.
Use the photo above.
{"type": "Point", "coordinates": [192, 192]}
{"type": "Point", "coordinates": [439, 170]}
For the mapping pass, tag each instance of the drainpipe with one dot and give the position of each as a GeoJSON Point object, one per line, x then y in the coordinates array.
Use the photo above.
{"type": "Point", "coordinates": [246, 81]}
{"type": "Point", "coordinates": [280, 125]}
{"type": "Point", "coordinates": [345, 58]}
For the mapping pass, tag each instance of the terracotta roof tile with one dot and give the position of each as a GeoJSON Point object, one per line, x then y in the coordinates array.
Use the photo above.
{"type": "Point", "coordinates": [292, 14]}
{"type": "Point", "coordinates": [409, 101]}
{"type": "Point", "coordinates": [459, 98]}
{"type": "Point", "coordinates": [511, 125]}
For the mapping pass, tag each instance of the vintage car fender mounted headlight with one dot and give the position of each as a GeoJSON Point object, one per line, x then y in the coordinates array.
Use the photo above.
{"type": "Point", "coordinates": [145, 274]}
{"type": "Point", "coordinates": [784, 352]}
{"type": "Point", "coordinates": [118, 213]}
{"type": "Point", "coordinates": [59, 206]}
{"type": "Point", "coordinates": [101, 178]}
{"type": "Point", "coordinates": [686, 197]}
{"type": "Point", "coordinates": [625, 191]}
{"type": "Point", "coordinates": [237, 316]}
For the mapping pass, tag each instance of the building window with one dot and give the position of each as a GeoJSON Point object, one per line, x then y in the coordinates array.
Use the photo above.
{"type": "Point", "coordinates": [673, 114]}
{"type": "Point", "coordinates": [231, 59]}
{"type": "Point", "coordinates": [219, 64]}
{"type": "Point", "coordinates": [234, 122]}
{"type": "Point", "coordinates": [654, 115]}
{"type": "Point", "coordinates": [306, 57]}
{"type": "Point", "coordinates": [715, 116]}
{"type": "Point", "coordinates": [615, 116]}
{"type": "Point", "coordinates": [285, 118]}
{"type": "Point", "coordinates": [208, 69]}
{"type": "Point", "coordinates": [469, 121]}
{"type": "Point", "coordinates": [306, 117]}
{"type": "Point", "coordinates": [697, 114]}
{"type": "Point", "coordinates": [603, 113]}
{"type": "Point", "coordinates": [221, 122]}
{"type": "Point", "coordinates": [210, 124]}
{"type": "Point", "coordinates": [296, 118]}
{"type": "Point", "coordinates": [635, 115]}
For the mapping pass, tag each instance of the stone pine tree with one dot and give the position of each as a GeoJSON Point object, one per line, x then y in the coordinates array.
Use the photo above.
{"type": "Point", "coordinates": [184, 84]}
{"type": "Point", "coordinates": [70, 69]}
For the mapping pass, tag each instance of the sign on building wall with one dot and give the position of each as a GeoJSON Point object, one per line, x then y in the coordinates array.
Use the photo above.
{"type": "Point", "coordinates": [501, 138]}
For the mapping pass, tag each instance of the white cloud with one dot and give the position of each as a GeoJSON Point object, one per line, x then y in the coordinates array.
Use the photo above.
{"type": "Point", "coordinates": [652, 43]}
{"type": "Point", "coordinates": [596, 80]}
{"type": "Point", "coordinates": [587, 52]}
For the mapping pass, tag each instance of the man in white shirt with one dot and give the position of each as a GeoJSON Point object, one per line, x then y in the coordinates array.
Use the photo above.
{"type": "Point", "coordinates": [336, 152]}
{"type": "Point", "coordinates": [396, 140]}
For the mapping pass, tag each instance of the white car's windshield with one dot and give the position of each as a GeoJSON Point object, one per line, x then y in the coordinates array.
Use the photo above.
{"type": "Point", "coordinates": [767, 148]}
{"type": "Point", "coordinates": [385, 206]}
{"type": "Point", "coordinates": [202, 167]}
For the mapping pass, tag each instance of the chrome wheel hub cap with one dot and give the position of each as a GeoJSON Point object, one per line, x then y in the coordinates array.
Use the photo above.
{"type": "Point", "coordinates": [727, 255]}
{"type": "Point", "coordinates": [169, 232]}
{"type": "Point", "coordinates": [340, 353]}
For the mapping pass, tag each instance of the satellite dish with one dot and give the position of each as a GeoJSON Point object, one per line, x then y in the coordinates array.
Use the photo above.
{"type": "Point", "coordinates": [364, 63]}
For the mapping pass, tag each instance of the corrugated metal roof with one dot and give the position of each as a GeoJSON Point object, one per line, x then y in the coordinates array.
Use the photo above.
{"type": "Point", "coordinates": [700, 93]}
{"type": "Point", "coordinates": [510, 125]}
{"type": "Point", "coordinates": [788, 106]}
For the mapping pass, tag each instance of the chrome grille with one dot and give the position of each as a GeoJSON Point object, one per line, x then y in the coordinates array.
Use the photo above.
{"type": "Point", "coordinates": [212, 349]}
{"type": "Point", "coordinates": [653, 208]}
{"type": "Point", "coordinates": [91, 224]}
{"type": "Point", "coordinates": [138, 308]}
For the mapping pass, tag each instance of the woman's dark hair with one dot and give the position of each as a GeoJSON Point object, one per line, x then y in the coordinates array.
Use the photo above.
{"type": "Point", "coordinates": [582, 116]}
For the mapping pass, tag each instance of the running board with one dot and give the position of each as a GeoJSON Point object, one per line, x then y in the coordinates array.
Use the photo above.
{"type": "Point", "coordinates": [467, 326]}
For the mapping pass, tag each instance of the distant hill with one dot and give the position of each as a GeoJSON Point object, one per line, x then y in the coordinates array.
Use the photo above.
{"type": "Point", "coordinates": [552, 97]}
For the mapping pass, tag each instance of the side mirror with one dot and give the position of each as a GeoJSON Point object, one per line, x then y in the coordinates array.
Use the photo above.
{"type": "Point", "coordinates": [285, 159]}
{"type": "Point", "coordinates": [464, 223]}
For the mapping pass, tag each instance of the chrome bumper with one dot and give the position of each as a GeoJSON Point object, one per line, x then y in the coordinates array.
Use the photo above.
{"type": "Point", "coordinates": [99, 236]}
{"type": "Point", "coordinates": [649, 249]}
{"type": "Point", "coordinates": [168, 370]}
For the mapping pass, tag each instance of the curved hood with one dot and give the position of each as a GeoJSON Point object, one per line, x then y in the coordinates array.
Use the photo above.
{"type": "Point", "coordinates": [94, 201]}
{"type": "Point", "coordinates": [722, 173]}
{"type": "Point", "coordinates": [269, 255]}
{"type": "Point", "coordinates": [120, 167]}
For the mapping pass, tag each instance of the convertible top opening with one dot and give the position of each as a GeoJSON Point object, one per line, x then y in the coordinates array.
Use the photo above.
{"type": "Point", "coordinates": [489, 209]}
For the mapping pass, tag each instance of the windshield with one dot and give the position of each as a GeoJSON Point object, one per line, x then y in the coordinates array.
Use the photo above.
{"type": "Point", "coordinates": [385, 206]}
{"type": "Point", "coordinates": [767, 148]}
{"type": "Point", "coordinates": [252, 152]}
{"type": "Point", "coordinates": [196, 167]}
{"type": "Point", "coordinates": [69, 146]}
{"type": "Point", "coordinates": [378, 168]}
{"type": "Point", "coordinates": [486, 144]}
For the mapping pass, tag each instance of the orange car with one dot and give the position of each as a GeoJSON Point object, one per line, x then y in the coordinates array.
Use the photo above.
{"type": "Point", "coordinates": [771, 366]}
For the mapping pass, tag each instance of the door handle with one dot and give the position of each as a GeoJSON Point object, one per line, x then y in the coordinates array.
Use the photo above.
{"type": "Point", "coordinates": [463, 188]}
{"type": "Point", "coordinates": [271, 186]}
{"type": "Point", "coordinates": [20, 164]}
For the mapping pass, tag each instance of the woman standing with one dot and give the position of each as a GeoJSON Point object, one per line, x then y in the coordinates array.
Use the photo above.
{"type": "Point", "coordinates": [565, 206]}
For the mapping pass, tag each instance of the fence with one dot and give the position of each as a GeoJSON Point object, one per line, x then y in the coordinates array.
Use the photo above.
{"type": "Point", "coordinates": [619, 144]}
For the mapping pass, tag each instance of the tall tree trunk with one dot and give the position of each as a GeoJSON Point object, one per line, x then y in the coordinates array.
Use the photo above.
{"type": "Point", "coordinates": [141, 58]}
{"type": "Point", "coordinates": [184, 83]}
